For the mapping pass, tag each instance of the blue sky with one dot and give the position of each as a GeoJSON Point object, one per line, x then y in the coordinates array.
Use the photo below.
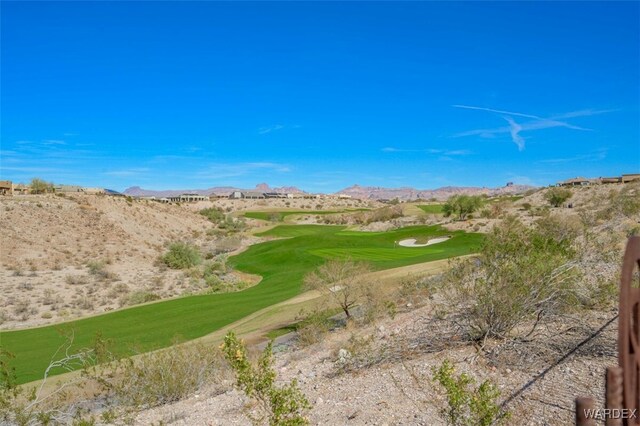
{"type": "Point", "coordinates": [318, 95]}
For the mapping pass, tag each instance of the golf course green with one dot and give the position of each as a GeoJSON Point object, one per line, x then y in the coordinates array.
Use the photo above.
{"type": "Point", "coordinates": [282, 262]}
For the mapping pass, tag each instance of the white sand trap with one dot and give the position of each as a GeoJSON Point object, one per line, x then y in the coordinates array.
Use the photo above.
{"type": "Point", "coordinates": [411, 242]}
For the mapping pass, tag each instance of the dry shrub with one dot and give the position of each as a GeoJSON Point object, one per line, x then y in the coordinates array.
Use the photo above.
{"type": "Point", "coordinates": [160, 377]}
{"type": "Point", "coordinates": [521, 274]}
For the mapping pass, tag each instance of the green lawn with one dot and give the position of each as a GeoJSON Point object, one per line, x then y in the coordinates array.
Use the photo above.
{"type": "Point", "coordinates": [431, 208]}
{"type": "Point", "coordinates": [282, 263]}
{"type": "Point", "coordinates": [279, 216]}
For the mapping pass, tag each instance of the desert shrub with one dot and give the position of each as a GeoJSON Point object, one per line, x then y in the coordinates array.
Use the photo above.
{"type": "Point", "coordinates": [214, 214]}
{"type": "Point", "coordinates": [282, 406]}
{"type": "Point", "coordinates": [228, 244]}
{"type": "Point", "coordinates": [468, 405]}
{"type": "Point", "coordinates": [526, 206]}
{"type": "Point", "coordinates": [26, 406]}
{"type": "Point", "coordinates": [98, 269]}
{"type": "Point", "coordinates": [520, 274]}
{"type": "Point", "coordinates": [156, 378]}
{"type": "Point", "coordinates": [314, 327]}
{"type": "Point", "coordinates": [462, 205]}
{"type": "Point", "coordinates": [232, 225]}
{"type": "Point", "coordinates": [181, 256]}
{"type": "Point", "coordinates": [628, 200]}
{"type": "Point", "coordinates": [557, 196]}
{"type": "Point", "coordinates": [140, 296]}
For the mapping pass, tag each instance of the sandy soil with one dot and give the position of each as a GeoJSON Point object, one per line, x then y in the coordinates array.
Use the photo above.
{"type": "Point", "coordinates": [411, 242]}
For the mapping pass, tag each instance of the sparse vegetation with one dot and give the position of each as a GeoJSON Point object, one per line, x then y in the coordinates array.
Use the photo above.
{"type": "Point", "coordinates": [468, 405]}
{"type": "Point", "coordinates": [282, 406]}
{"type": "Point", "coordinates": [521, 274]}
{"type": "Point", "coordinates": [556, 196]}
{"type": "Point", "coordinates": [343, 281]}
{"type": "Point", "coordinates": [39, 186]}
{"type": "Point", "coordinates": [182, 256]}
{"type": "Point", "coordinates": [462, 205]}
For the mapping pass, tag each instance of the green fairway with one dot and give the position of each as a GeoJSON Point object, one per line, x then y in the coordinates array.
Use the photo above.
{"type": "Point", "coordinates": [431, 208]}
{"type": "Point", "coordinates": [279, 216]}
{"type": "Point", "coordinates": [282, 263]}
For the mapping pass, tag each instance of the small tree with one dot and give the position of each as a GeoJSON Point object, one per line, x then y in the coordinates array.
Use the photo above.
{"type": "Point", "coordinates": [461, 205]}
{"type": "Point", "coordinates": [557, 196]}
{"type": "Point", "coordinates": [39, 186]}
{"type": "Point", "coordinates": [343, 281]}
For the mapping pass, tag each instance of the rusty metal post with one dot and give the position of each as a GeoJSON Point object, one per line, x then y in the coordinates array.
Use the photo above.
{"type": "Point", "coordinates": [629, 328]}
{"type": "Point", "coordinates": [583, 406]}
{"type": "Point", "coordinates": [613, 399]}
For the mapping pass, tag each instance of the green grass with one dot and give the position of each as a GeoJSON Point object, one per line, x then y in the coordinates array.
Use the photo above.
{"type": "Point", "coordinates": [279, 216]}
{"type": "Point", "coordinates": [431, 208]}
{"type": "Point", "coordinates": [282, 263]}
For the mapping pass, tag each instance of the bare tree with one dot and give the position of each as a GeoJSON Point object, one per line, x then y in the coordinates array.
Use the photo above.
{"type": "Point", "coordinates": [344, 281]}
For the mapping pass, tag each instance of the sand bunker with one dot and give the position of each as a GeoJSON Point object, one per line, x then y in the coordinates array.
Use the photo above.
{"type": "Point", "coordinates": [411, 242]}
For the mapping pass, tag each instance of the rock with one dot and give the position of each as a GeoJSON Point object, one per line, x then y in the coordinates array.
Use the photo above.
{"type": "Point", "coordinates": [343, 356]}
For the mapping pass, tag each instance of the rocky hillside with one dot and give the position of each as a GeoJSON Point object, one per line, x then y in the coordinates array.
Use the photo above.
{"type": "Point", "coordinates": [408, 193]}
{"type": "Point", "coordinates": [136, 191]}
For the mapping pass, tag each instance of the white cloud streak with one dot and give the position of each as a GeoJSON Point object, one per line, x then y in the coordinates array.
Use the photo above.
{"type": "Point", "coordinates": [454, 152]}
{"type": "Point", "coordinates": [535, 123]}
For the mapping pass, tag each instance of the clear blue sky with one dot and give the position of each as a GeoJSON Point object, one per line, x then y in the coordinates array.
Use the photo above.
{"type": "Point", "coordinates": [318, 95]}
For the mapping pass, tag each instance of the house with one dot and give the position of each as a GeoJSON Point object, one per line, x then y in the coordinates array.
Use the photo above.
{"type": "Point", "coordinates": [630, 177]}
{"type": "Point", "coordinates": [610, 179]}
{"type": "Point", "coordinates": [6, 187]}
{"type": "Point", "coordinates": [253, 195]}
{"type": "Point", "coordinates": [188, 198]}
{"type": "Point", "coordinates": [235, 195]}
{"type": "Point", "coordinates": [21, 189]}
{"type": "Point", "coordinates": [67, 188]}
{"type": "Point", "coordinates": [577, 181]}
{"type": "Point", "coordinates": [344, 196]}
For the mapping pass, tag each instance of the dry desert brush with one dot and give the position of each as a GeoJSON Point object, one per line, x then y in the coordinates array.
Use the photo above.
{"type": "Point", "coordinates": [521, 274]}
{"type": "Point", "coordinates": [344, 282]}
{"type": "Point", "coordinates": [283, 405]}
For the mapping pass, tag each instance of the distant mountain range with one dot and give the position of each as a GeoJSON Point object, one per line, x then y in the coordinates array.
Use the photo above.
{"type": "Point", "coordinates": [136, 191]}
{"type": "Point", "coordinates": [355, 191]}
{"type": "Point", "coordinates": [408, 193]}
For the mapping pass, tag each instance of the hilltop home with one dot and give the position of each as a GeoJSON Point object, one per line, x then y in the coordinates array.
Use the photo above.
{"type": "Point", "coordinates": [630, 177]}
{"type": "Point", "coordinates": [20, 189]}
{"type": "Point", "coordinates": [188, 198]}
{"type": "Point", "coordinates": [6, 187]}
{"type": "Point", "coordinates": [253, 195]}
{"type": "Point", "coordinates": [235, 195]}
{"type": "Point", "coordinates": [577, 181]}
{"type": "Point", "coordinates": [610, 179]}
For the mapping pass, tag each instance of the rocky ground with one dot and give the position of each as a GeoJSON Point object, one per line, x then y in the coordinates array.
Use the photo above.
{"type": "Point", "coordinates": [538, 380]}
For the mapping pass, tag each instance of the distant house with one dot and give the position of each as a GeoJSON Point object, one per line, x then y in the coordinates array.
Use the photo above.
{"type": "Point", "coordinates": [6, 187]}
{"type": "Point", "coordinates": [20, 189]}
{"type": "Point", "coordinates": [235, 195]}
{"type": "Point", "coordinates": [188, 198]}
{"type": "Point", "coordinates": [253, 195]}
{"type": "Point", "coordinates": [577, 181]}
{"type": "Point", "coordinates": [344, 196]}
{"type": "Point", "coordinates": [630, 177]}
{"type": "Point", "coordinates": [217, 196]}
{"type": "Point", "coordinates": [617, 179]}
{"type": "Point", "coordinates": [67, 188]}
